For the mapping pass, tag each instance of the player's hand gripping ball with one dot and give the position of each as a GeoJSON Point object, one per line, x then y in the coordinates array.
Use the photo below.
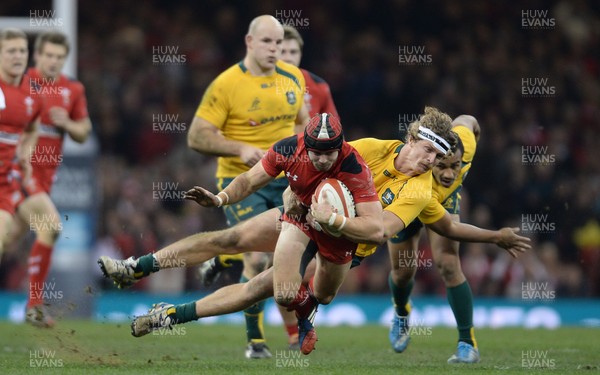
{"type": "Point", "coordinates": [335, 193]}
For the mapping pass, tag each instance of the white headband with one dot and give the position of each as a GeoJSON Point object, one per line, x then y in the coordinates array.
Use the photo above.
{"type": "Point", "coordinates": [439, 142]}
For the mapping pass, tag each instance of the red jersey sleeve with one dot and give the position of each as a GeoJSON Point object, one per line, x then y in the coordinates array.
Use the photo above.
{"type": "Point", "coordinates": [279, 155]}
{"type": "Point", "coordinates": [269, 163]}
{"type": "Point", "coordinates": [79, 110]}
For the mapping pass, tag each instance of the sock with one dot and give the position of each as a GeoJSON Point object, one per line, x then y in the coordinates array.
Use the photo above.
{"type": "Point", "coordinates": [185, 312]}
{"type": "Point", "coordinates": [226, 261]}
{"type": "Point", "coordinates": [292, 330]}
{"type": "Point", "coordinates": [38, 266]}
{"type": "Point", "coordinates": [304, 303]}
{"type": "Point", "coordinates": [254, 319]}
{"type": "Point", "coordinates": [400, 296]}
{"type": "Point", "coordinates": [146, 265]}
{"type": "Point", "coordinates": [460, 299]}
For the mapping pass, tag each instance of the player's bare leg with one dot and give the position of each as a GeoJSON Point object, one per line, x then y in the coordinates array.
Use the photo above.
{"type": "Point", "coordinates": [329, 277]}
{"type": "Point", "coordinates": [447, 260]}
{"type": "Point", "coordinates": [288, 287]}
{"type": "Point", "coordinates": [403, 258]}
{"type": "Point", "coordinates": [43, 218]}
{"type": "Point", "coordinates": [226, 300]}
{"type": "Point", "coordinates": [5, 225]}
{"type": "Point", "coordinates": [18, 231]}
{"type": "Point", "coordinates": [256, 234]}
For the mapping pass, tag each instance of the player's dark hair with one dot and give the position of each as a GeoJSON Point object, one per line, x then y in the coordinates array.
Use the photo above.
{"type": "Point", "coordinates": [459, 145]}
{"type": "Point", "coordinates": [53, 37]}
{"type": "Point", "coordinates": [290, 32]}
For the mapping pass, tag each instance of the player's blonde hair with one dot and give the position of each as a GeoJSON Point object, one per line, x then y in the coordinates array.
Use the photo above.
{"type": "Point", "coordinates": [11, 33]}
{"type": "Point", "coordinates": [436, 121]}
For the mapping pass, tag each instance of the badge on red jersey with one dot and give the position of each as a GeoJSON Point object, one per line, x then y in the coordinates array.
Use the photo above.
{"type": "Point", "coordinates": [29, 105]}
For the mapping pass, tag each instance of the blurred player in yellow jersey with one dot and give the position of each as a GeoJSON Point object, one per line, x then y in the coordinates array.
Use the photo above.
{"type": "Point", "coordinates": [317, 99]}
{"type": "Point", "coordinates": [244, 111]}
{"type": "Point", "coordinates": [449, 175]}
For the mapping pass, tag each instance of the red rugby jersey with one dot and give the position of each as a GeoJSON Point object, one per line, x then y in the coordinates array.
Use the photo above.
{"type": "Point", "coordinates": [18, 108]}
{"type": "Point", "coordinates": [62, 92]}
{"type": "Point", "coordinates": [290, 155]}
{"type": "Point", "coordinates": [317, 97]}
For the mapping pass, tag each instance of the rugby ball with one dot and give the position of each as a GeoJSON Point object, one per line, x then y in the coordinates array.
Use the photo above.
{"type": "Point", "coordinates": [339, 196]}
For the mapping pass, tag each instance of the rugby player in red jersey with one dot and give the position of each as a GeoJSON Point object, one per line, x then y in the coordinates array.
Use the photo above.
{"type": "Point", "coordinates": [19, 118]}
{"type": "Point", "coordinates": [64, 112]}
{"type": "Point", "coordinates": [306, 160]}
{"type": "Point", "coordinates": [318, 96]}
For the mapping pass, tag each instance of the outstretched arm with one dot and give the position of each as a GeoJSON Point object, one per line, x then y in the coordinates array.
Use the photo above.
{"type": "Point", "coordinates": [506, 238]}
{"type": "Point", "coordinates": [241, 187]}
{"type": "Point", "coordinates": [469, 122]}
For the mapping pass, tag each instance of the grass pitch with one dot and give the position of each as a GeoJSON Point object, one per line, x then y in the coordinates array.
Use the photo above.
{"type": "Point", "coordinates": [83, 347]}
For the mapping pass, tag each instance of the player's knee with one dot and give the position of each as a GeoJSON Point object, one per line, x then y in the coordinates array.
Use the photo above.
{"type": "Point", "coordinates": [402, 276]}
{"type": "Point", "coordinates": [325, 299]}
{"type": "Point", "coordinates": [449, 269]}
{"type": "Point", "coordinates": [50, 234]}
{"type": "Point", "coordinates": [283, 297]}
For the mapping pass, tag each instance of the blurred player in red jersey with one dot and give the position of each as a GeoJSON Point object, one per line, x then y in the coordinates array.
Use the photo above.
{"type": "Point", "coordinates": [64, 112]}
{"type": "Point", "coordinates": [318, 96]}
{"type": "Point", "coordinates": [307, 159]}
{"type": "Point", "coordinates": [19, 118]}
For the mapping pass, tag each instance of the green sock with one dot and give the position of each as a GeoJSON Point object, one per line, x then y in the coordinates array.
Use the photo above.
{"type": "Point", "coordinates": [146, 265]}
{"type": "Point", "coordinates": [400, 296]}
{"type": "Point", "coordinates": [185, 312]}
{"type": "Point", "coordinates": [460, 299]}
{"type": "Point", "coordinates": [254, 319]}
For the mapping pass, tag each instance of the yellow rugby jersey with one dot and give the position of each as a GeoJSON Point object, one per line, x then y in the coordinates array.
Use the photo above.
{"type": "Point", "coordinates": [256, 110]}
{"type": "Point", "coordinates": [400, 194]}
{"type": "Point", "coordinates": [436, 210]}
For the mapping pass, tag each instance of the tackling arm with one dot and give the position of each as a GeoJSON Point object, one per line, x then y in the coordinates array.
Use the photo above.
{"type": "Point", "coordinates": [506, 238]}
{"type": "Point", "coordinates": [469, 122]}
{"type": "Point", "coordinates": [365, 227]}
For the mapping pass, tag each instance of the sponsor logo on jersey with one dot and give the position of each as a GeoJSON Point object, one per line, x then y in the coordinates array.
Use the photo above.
{"type": "Point", "coordinates": [291, 97]}
{"type": "Point", "coordinates": [387, 197]}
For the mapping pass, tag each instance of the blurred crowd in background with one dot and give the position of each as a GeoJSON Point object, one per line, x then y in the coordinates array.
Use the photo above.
{"type": "Point", "coordinates": [537, 159]}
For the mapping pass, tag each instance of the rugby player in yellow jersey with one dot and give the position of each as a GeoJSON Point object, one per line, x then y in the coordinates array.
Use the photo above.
{"type": "Point", "coordinates": [449, 175]}
{"type": "Point", "coordinates": [244, 111]}
{"type": "Point", "coordinates": [395, 165]}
